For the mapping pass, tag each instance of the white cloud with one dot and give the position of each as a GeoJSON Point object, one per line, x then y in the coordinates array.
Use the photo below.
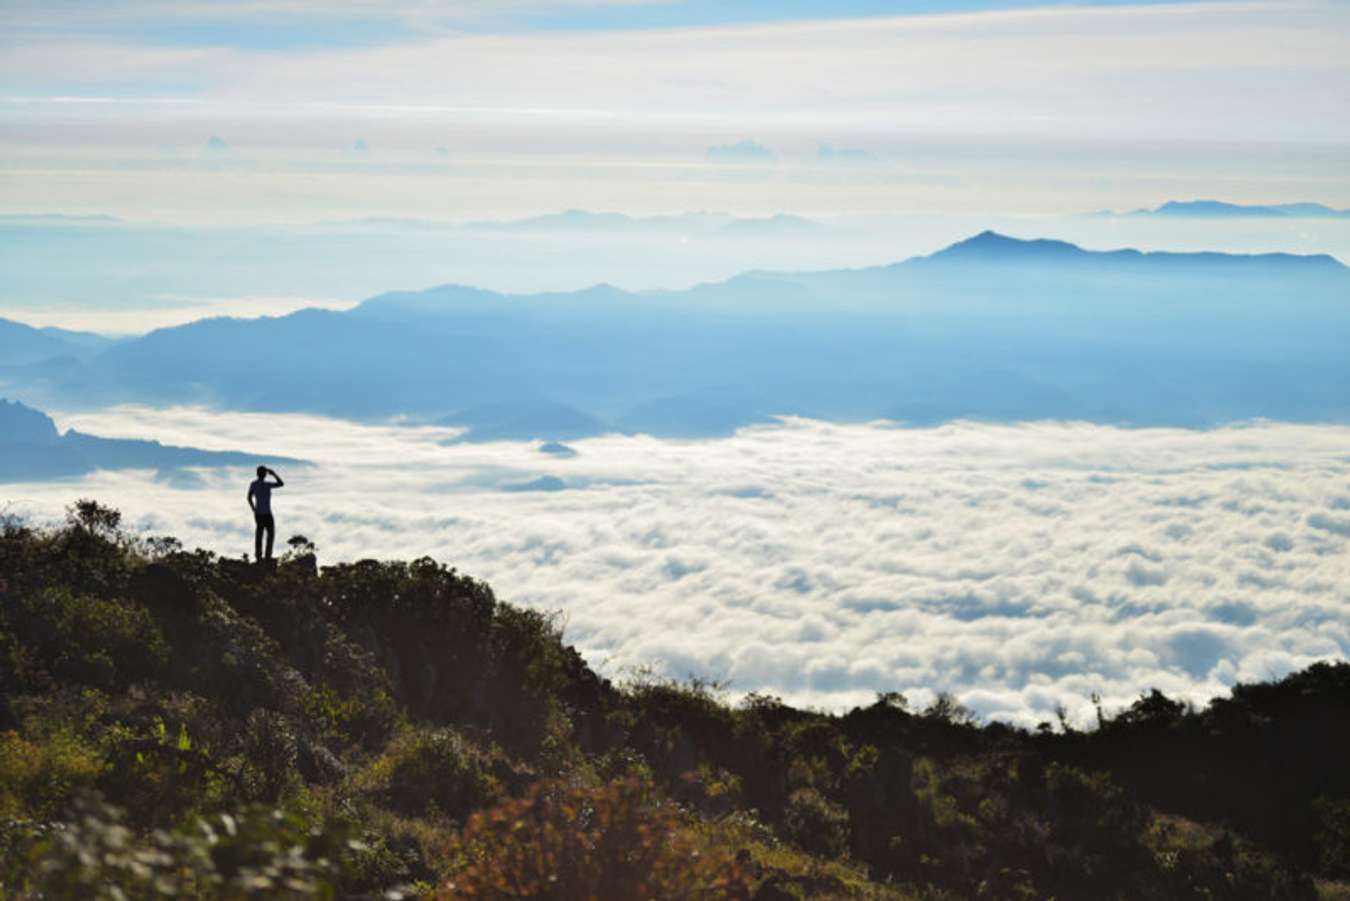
{"type": "Point", "coordinates": [172, 310]}
{"type": "Point", "coordinates": [1018, 566]}
{"type": "Point", "coordinates": [426, 13]}
{"type": "Point", "coordinates": [1198, 71]}
{"type": "Point", "coordinates": [741, 151]}
{"type": "Point", "coordinates": [1042, 109]}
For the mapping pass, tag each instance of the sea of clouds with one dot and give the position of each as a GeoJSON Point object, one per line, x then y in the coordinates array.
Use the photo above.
{"type": "Point", "coordinates": [1018, 566]}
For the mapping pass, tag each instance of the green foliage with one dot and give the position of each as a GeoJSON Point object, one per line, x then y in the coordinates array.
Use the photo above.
{"type": "Point", "coordinates": [159, 776]}
{"type": "Point", "coordinates": [89, 556]}
{"type": "Point", "coordinates": [701, 749]}
{"type": "Point", "coordinates": [438, 771]}
{"type": "Point", "coordinates": [39, 777]}
{"type": "Point", "coordinates": [270, 751]}
{"type": "Point", "coordinates": [1333, 836]}
{"type": "Point", "coordinates": [1259, 760]}
{"type": "Point", "coordinates": [82, 638]}
{"type": "Point", "coordinates": [819, 753]}
{"type": "Point", "coordinates": [403, 704]}
{"type": "Point", "coordinates": [367, 716]}
{"type": "Point", "coordinates": [1205, 862]}
{"type": "Point", "coordinates": [454, 653]}
{"type": "Point", "coordinates": [94, 518]}
{"type": "Point", "coordinates": [944, 709]}
{"type": "Point", "coordinates": [562, 842]}
{"type": "Point", "coordinates": [816, 825]}
{"type": "Point", "coordinates": [255, 852]}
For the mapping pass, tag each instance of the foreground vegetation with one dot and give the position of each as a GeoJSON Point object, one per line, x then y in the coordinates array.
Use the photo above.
{"type": "Point", "coordinates": [175, 724]}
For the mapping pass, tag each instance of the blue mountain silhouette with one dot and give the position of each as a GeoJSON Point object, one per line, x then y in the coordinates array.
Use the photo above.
{"type": "Point", "coordinates": [1217, 209]}
{"type": "Point", "coordinates": [21, 344]}
{"type": "Point", "coordinates": [992, 247]}
{"type": "Point", "coordinates": [32, 448]}
{"type": "Point", "coordinates": [992, 327]}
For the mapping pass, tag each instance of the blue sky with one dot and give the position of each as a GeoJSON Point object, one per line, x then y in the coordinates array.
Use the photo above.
{"type": "Point", "coordinates": [488, 108]}
{"type": "Point", "coordinates": [697, 13]}
{"type": "Point", "coordinates": [280, 25]}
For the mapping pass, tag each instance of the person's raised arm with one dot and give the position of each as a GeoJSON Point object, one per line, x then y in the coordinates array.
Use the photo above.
{"type": "Point", "coordinates": [277, 477]}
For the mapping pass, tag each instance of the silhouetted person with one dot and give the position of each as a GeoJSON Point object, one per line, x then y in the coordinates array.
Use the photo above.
{"type": "Point", "coordinates": [260, 500]}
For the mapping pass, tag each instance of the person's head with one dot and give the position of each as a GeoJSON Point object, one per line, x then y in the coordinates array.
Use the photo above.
{"type": "Point", "coordinates": [262, 471]}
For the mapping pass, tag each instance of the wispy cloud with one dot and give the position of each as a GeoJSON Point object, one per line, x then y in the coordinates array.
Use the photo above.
{"type": "Point", "coordinates": [1019, 566]}
{"type": "Point", "coordinates": [741, 151]}
{"type": "Point", "coordinates": [1210, 70]}
{"type": "Point", "coordinates": [170, 310]}
{"type": "Point", "coordinates": [68, 14]}
{"type": "Point", "coordinates": [1088, 99]}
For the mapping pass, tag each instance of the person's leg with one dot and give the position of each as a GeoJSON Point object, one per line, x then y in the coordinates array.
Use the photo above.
{"type": "Point", "coordinates": [257, 537]}
{"type": "Point", "coordinates": [271, 534]}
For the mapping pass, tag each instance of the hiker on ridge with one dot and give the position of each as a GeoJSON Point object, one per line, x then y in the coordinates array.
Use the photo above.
{"type": "Point", "coordinates": [260, 501]}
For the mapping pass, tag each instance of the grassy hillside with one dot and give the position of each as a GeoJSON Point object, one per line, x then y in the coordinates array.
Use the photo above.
{"type": "Point", "coordinates": [175, 724]}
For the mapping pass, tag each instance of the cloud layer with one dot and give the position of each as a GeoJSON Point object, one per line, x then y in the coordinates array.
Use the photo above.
{"type": "Point", "coordinates": [1017, 566]}
{"type": "Point", "coordinates": [1198, 71]}
{"type": "Point", "coordinates": [1033, 110]}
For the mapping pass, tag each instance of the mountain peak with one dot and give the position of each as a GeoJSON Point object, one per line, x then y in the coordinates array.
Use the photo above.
{"type": "Point", "coordinates": [23, 424]}
{"type": "Point", "coordinates": [1219, 209]}
{"type": "Point", "coordinates": [992, 246]}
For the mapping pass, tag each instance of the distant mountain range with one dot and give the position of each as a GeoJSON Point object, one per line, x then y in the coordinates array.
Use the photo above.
{"type": "Point", "coordinates": [1217, 209]}
{"type": "Point", "coordinates": [22, 344]}
{"type": "Point", "coordinates": [32, 449]}
{"type": "Point", "coordinates": [991, 327]}
{"type": "Point", "coordinates": [990, 247]}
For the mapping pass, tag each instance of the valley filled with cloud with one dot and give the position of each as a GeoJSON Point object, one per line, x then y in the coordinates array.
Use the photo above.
{"type": "Point", "coordinates": [1018, 566]}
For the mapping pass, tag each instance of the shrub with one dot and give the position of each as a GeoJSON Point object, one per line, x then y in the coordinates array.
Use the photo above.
{"type": "Point", "coordinates": [367, 718]}
{"type": "Point", "coordinates": [1333, 838]}
{"type": "Point", "coordinates": [818, 753]}
{"type": "Point", "coordinates": [89, 556]}
{"type": "Point", "coordinates": [563, 842]}
{"type": "Point", "coordinates": [680, 726]}
{"type": "Point", "coordinates": [439, 769]}
{"type": "Point", "coordinates": [159, 776]}
{"type": "Point", "coordinates": [37, 778]}
{"type": "Point", "coordinates": [84, 638]}
{"type": "Point", "coordinates": [815, 824]}
{"type": "Point", "coordinates": [94, 518]}
{"type": "Point", "coordinates": [355, 700]}
{"type": "Point", "coordinates": [454, 654]}
{"type": "Point", "coordinates": [270, 750]}
{"type": "Point", "coordinates": [257, 852]}
{"type": "Point", "coordinates": [947, 709]}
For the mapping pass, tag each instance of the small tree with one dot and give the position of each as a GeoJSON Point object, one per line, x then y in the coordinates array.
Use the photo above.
{"type": "Point", "coordinates": [93, 517]}
{"type": "Point", "coordinates": [946, 708]}
{"type": "Point", "coordinates": [300, 545]}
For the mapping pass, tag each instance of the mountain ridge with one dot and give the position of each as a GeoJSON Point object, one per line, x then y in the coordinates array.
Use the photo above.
{"type": "Point", "coordinates": [992, 246]}
{"type": "Point", "coordinates": [992, 327]}
{"type": "Point", "coordinates": [33, 448]}
{"type": "Point", "coordinates": [987, 246]}
{"type": "Point", "coordinates": [1219, 209]}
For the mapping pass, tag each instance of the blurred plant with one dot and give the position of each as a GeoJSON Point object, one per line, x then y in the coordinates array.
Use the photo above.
{"type": "Point", "coordinates": [256, 852]}
{"type": "Point", "coordinates": [438, 770]}
{"type": "Point", "coordinates": [270, 749]}
{"type": "Point", "coordinates": [562, 842]}
{"type": "Point", "coordinates": [816, 825]}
